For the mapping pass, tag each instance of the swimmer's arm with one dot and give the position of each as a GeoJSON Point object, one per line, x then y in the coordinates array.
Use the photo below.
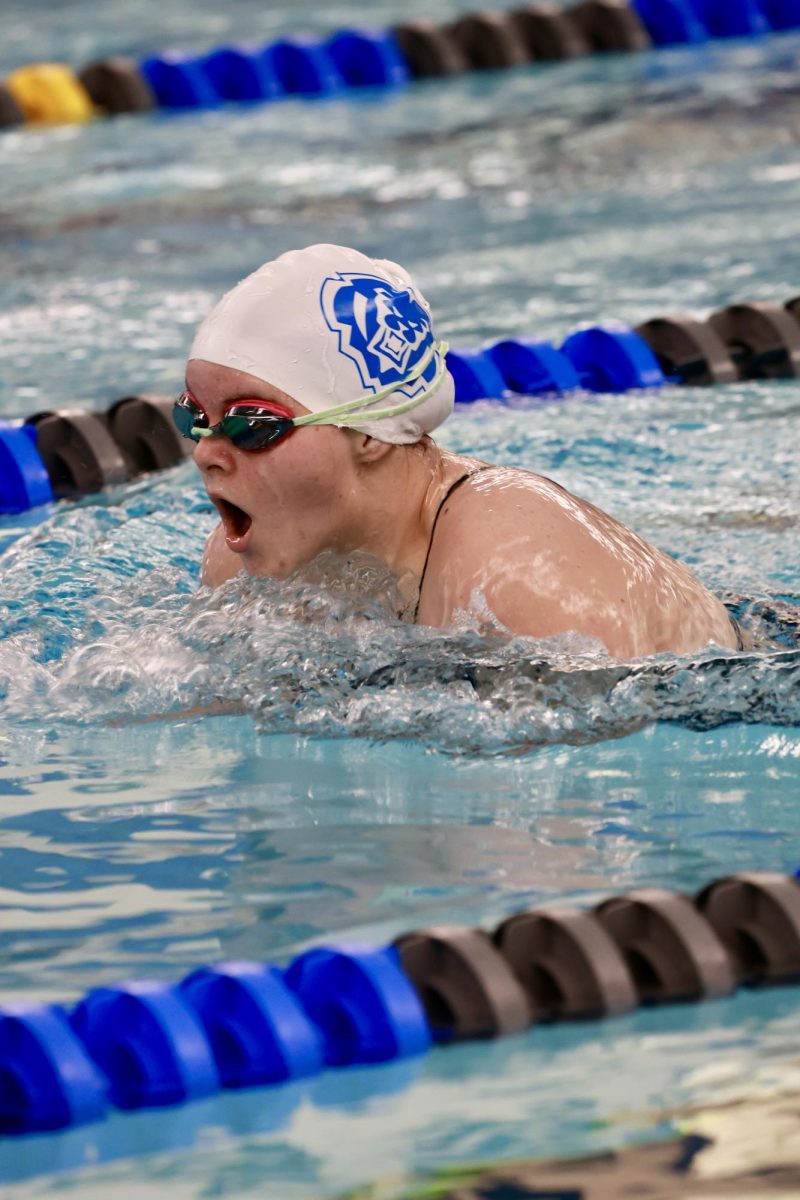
{"type": "Point", "coordinates": [219, 563]}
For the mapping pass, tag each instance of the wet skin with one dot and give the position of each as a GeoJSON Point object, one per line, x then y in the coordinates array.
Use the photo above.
{"type": "Point", "coordinates": [512, 548]}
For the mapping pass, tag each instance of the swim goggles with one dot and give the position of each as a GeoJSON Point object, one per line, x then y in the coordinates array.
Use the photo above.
{"type": "Point", "coordinates": [257, 424]}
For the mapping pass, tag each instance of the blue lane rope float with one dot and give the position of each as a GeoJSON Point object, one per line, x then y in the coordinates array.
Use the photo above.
{"type": "Point", "coordinates": [612, 359]}
{"type": "Point", "coordinates": [258, 1031]}
{"type": "Point", "coordinates": [672, 22]}
{"type": "Point", "coordinates": [364, 58]}
{"type": "Point", "coordinates": [47, 1079]}
{"type": "Point", "coordinates": [724, 19]}
{"type": "Point", "coordinates": [533, 368]}
{"type": "Point", "coordinates": [180, 81]}
{"type": "Point", "coordinates": [242, 73]}
{"type": "Point", "coordinates": [782, 14]}
{"type": "Point", "coordinates": [365, 1007]}
{"type": "Point", "coordinates": [24, 481]}
{"type": "Point", "coordinates": [71, 452]}
{"type": "Point", "coordinates": [476, 376]}
{"type": "Point", "coordinates": [146, 1044]}
{"type": "Point", "coordinates": [305, 67]}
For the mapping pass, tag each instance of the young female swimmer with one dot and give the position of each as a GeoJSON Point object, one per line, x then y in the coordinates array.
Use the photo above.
{"type": "Point", "coordinates": [311, 391]}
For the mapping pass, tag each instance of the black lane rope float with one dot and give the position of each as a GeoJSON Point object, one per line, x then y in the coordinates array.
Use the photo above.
{"type": "Point", "coordinates": [386, 59]}
{"type": "Point", "coordinates": [147, 1044]}
{"type": "Point", "coordinates": [67, 453]}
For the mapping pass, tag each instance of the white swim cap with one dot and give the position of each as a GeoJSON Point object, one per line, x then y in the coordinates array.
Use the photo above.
{"type": "Point", "coordinates": [327, 325]}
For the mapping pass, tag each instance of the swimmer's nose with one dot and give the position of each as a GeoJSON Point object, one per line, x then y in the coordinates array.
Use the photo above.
{"type": "Point", "coordinates": [214, 452]}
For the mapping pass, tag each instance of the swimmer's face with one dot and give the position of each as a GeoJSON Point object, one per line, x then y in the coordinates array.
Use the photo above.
{"type": "Point", "coordinates": [282, 506]}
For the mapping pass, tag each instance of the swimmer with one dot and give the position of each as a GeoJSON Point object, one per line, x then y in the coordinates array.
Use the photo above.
{"type": "Point", "coordinates": [312, 389]}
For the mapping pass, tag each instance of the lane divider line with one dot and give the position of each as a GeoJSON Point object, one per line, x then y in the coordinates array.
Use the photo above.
{"type": "Point", "coordinates": [367, 58]}
{"type": "Point", "coordinates": [148, 1044]}
{"type": "Point", "coordinates": [68, 453]}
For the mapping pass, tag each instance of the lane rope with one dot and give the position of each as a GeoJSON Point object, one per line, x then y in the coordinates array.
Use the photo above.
{"type": "Point", "coordinates": [148, 1044]}
{"type": "Point", "coordinates": [72, 452]}
{"type": "Point", "coordinates": [358, 58]}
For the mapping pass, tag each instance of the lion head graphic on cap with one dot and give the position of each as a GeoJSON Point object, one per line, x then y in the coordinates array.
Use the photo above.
{"type": "Point", "coordinates": [384, 330]}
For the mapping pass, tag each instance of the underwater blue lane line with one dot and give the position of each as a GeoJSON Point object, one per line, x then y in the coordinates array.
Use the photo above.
{"type": "Point", "coordinates": [366, 58]}
{"type": "Point", "coordinates": [147, 1044]}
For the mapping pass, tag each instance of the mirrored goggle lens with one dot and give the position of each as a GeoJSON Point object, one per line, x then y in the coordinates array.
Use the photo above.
{"type": "Point", "coordinates": [186, 414]}
{"type": "Point", "coordinates": [248, 426]}
{"type": "Point", "coordinates": [254, 430]}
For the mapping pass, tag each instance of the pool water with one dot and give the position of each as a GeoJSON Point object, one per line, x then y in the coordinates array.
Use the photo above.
{"type": "Point", "coordinates": [364, 777]}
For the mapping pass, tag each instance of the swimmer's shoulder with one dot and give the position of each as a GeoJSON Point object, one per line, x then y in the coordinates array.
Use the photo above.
{"type": "Point", "coordinates": [493, 524]}
{"type": "Point", "coordinates": [484, 497]}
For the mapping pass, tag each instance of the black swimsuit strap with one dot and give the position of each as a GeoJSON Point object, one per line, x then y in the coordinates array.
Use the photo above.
{"type": "Point", "coordinates": [453, 488]}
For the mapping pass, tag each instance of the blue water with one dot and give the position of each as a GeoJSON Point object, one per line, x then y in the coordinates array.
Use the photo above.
{"type": "Point", "coordinates": [358, 784]}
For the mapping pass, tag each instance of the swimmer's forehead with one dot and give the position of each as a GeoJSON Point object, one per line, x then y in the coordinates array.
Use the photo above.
{"type": "Point", "coordinates": [212, 383]}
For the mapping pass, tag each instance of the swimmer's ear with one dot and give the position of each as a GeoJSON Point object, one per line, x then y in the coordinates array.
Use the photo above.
{"type": "Point", "coordinates": [368, 449]}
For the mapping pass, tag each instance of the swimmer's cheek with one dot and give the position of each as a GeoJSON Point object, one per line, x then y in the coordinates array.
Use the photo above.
{"type": "Point", "coordinates": [219, 563]}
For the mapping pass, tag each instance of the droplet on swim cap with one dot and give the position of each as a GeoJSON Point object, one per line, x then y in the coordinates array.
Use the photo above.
{"type": "Point", "coordinates": [326, 325]}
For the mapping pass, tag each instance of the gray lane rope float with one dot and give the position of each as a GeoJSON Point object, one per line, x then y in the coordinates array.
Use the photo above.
{"type": "Point", "coordinates": [68, 453]}
{"type": "Point", "coordinates": [146, 1044]}
{"type": "Point", "coordinates": [358, 58]}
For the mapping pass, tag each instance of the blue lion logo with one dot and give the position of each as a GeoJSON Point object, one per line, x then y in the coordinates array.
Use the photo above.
{"type": "Point", "coordinates": [383, 330]}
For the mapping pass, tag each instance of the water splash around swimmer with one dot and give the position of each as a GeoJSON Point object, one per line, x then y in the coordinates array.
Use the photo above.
{"type": "Point", "coordinates": [325, 653]}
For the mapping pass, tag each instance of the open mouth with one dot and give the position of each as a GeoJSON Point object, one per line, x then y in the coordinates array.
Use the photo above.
{"type": "Point", "coordinates": [236, 523]}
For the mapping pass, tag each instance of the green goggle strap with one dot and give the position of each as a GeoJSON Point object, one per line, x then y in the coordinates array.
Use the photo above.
{"type": "Point", "coordinates": [329, 416]}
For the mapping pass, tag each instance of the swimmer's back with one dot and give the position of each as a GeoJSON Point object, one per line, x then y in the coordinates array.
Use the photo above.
{"type": "Point", "coordinates": [522, 550]}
